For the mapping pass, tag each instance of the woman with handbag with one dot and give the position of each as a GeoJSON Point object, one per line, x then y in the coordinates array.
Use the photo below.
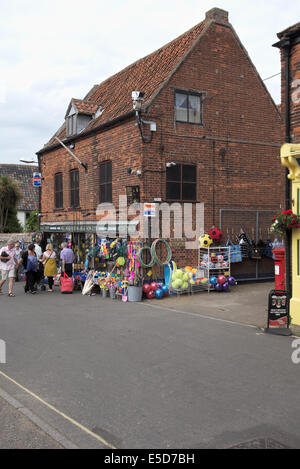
{"type": "Point", "coordinates": [50, 267]}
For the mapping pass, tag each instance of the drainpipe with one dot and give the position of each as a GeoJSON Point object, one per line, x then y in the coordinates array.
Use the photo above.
{"type": "Point", "coordinates": [286, 53]}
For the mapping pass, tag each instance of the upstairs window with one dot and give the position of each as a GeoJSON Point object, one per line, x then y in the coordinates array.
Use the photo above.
{"type": "Point", "coordinates": [181, 183]}
{"type": "Point", "coordinates": [74, 188]}
{"type": "Point", "coordinates": [58, 190]}
{"type": "Point", "coordinates": [106, 182]}
{"type": "Point", "coordinates": [188, 107]}
{"type": "Point", "coordinates": [71, 125]}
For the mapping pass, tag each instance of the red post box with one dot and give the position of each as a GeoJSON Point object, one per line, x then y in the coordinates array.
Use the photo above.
{"type": "Point", "coordinates": [279, 268]}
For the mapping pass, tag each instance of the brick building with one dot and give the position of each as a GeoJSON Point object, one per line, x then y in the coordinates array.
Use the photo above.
{"type": "Point", "coordinates": [205, 108]}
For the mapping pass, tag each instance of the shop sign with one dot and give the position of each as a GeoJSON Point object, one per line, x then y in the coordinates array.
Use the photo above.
{"type": "Point", "coordinates": [37, 179]}
{"type": "Point", "coordinates": [70, 228]}
{"type": "Point", "coordinates": [149, 210]}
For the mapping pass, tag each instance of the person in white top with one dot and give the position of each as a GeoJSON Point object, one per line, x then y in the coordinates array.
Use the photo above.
{"type": "Point", "coordinates": [8, 262]}
{"type": "Point", "coordinates": [38, 250]}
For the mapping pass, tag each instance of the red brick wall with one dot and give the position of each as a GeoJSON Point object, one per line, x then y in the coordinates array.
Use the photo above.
{"type": "Point", "coordinates": [238, 115]}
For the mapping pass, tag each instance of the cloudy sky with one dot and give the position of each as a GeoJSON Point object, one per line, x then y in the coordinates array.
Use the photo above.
{"type": "Point", "coordinates": [53, 50]}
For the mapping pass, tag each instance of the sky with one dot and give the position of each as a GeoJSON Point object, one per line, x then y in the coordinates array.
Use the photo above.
{"type": "Point", "coordinates": [55, 50]}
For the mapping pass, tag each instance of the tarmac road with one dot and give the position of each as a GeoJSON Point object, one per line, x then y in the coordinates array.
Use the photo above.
{"type": "Point", "coordinates": [106, 374]}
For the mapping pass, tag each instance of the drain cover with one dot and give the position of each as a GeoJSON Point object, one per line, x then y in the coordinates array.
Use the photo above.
{"type": "Point", "coordinates": [260, 443]}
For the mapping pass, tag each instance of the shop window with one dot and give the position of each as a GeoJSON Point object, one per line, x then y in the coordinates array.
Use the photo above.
{"type": "Point", "coordinates": [105, 182]}
{"type": "Point", "coordinates": [58, 190]}
{"type": "Point", "coordinates": [181, 183]}
{"type": "Point", "coordinates": [188, 107]}
{"type": "Point", "coordinates": [74, 188]}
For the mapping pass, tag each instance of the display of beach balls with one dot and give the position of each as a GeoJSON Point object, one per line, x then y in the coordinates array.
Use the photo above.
{"type": "Point", "coordinates": [205, 241]}
{"type": "Point", "coordinates": [158, 293]}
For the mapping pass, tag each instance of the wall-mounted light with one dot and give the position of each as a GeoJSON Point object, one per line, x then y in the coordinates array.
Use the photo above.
{"type": "Point", "coordinates": [72, 146]}
{"type": "Point", "coordinates": [138, 172]}
{"type": "Point", "coordinates": [137, 100]}
{"type": "Point", "coordinates": [170, 164]}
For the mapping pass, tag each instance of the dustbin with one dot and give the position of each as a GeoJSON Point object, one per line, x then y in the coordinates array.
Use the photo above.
{"type": "Point", "coordinates": [279, 257]}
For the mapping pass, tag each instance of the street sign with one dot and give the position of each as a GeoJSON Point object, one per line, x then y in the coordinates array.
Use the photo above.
{"type": "Point", "coordinates": [149, 210]}
{"type": "Point", "coordinates": [37, 179]}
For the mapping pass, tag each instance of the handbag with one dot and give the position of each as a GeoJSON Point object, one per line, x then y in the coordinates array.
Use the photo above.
{"type": "Point", "coordinates": [66, 284]}
{"type": "Point", "coordinates": [235, 252]}
{"type": "Point", "coordinates": [4, 254]}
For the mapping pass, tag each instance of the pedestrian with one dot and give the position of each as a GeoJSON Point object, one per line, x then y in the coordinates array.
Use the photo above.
{"type": "Point", "coordinates": [18, 255]}
{"type": "Point", "coordinates": [30, 263]}
{"type": "Point", "coordinates": [8, 262]}
{"type": "Point", "coordinates": [50, 268]}
{"type": "Point", "coordinates": [39, 253]}
{"type": "Point", "coordinates": [67, 258]}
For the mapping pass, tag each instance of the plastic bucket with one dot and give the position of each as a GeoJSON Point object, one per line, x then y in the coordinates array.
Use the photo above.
{"type": "Point", "coordinates": [112, 293]}
{"type": "Point", "coordinates": [135, 293]}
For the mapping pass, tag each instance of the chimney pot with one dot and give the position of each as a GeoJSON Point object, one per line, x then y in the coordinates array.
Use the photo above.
{"type": "Point", "coordinates": [217, 14]}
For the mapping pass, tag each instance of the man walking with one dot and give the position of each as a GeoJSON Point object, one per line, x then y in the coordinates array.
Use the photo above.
{"type": "Point", "coordinates": [8, 263]}
{"type": "Point", "coordinates": [67, 259]}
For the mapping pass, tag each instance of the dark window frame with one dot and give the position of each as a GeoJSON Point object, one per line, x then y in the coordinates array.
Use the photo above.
{"type": "Point", "coordinates": [58, 191]}
{"type": "Point", "coordinates": [105, 181]}
{"type": "Point", "coordinates": [189, 93]}
{"type": "Point", "coordinates": [181, 182]}
{"type": "Point", "coordinates": [74, 188]}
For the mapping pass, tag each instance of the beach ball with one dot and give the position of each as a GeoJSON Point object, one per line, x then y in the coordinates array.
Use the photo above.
{"type": "Point", "coordinates": [185, 286]}
{"type": "Point", "coordinates": [213, 280]}
{"type": "Point", "coordinates": [146, 288]}
{"type": "Point", "coordinates": [178, 273]}
{"type": "Point", "coordinates": [221, 279]}
{"type": "Point", "coordinates": [178, 283]}
{"type": "Point", "coordinates": [150, 295]}
{"type": "Point", "coordinates": [226, 286]}
{"type": "Point", "coordinates": [204, 280]}
{"type": "Point", "coordinates": [219, 287]}
{"type": "Point", "coordinates": [158, 293]}
{"type": "Point", "coordinates": [165, 289]}
{"type": "Point", "coordinates": [205, 241]}
{"type": "Point", "coordinates": [153, 286]}
{"type": "Point", "coordinates": [231, 281]}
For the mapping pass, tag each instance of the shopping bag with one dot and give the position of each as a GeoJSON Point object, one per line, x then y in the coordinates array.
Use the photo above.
{"type": "Point", "coordinates": [66, 284]}
{"type": "Point", "coordinates": [235, 252]}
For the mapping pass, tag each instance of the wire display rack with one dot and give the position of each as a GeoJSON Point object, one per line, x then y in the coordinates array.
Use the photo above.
{"type": "Point", "coordinates": [212, 261]}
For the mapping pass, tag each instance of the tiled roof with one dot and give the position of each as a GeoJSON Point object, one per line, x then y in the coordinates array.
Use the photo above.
{"type": "Point", "coordinates": [85, 107]}
{"type": "Point", "coordinates": [147, 75]}
{"type": "Point", "coordinates": [23, 174]}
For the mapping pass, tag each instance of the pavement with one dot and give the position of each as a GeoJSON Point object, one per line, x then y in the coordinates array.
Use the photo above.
{"type": "Point", "coordinates": [181, 372]}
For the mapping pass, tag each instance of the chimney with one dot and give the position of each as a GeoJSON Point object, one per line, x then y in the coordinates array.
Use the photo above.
{"type": "Point", "coordinates": [218, 15]}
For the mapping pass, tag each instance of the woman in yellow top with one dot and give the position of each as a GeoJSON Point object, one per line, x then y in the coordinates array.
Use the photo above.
{"type": "Point", "coordinates": [50, 267]}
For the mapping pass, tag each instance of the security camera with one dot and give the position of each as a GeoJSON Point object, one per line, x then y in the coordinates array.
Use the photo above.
{"type": "Point", "coordinates": [137, 95]}
{"type": "Point", "coordinates": [137, 98]}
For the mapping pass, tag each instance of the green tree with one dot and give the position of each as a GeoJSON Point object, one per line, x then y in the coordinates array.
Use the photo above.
{"type": "Point", "coordinates": [13, 225]}
{"type": "Point", "coordinates": [32, 222]}
{"type": "Point", "coordinates": [10, 194]}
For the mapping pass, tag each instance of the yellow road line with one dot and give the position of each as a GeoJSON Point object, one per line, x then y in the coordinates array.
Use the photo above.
{"type": "Point", "coordinates": [77, 424]}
